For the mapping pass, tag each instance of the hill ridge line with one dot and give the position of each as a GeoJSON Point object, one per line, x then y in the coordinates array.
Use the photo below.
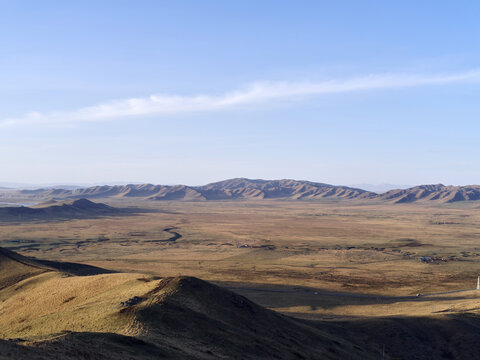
{"type": "Point", "coordinates": [244, 188]}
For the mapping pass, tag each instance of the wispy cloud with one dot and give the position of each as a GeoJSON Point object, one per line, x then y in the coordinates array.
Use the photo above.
{"type": "Point", "coordinates": [256, 93]}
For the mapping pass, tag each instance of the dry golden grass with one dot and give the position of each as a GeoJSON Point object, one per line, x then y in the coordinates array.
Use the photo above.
{"type": "Point", "coordinates": [111, 315]}
{"type": "Point", "coordinates": [50, 303]}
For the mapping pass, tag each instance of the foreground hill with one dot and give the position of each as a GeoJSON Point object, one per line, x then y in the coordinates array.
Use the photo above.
{"type": "Point", "coordinates": [80, 208]}
{"type": "Point", "coordinates": [50, 314]}
{"type": "Point", "coordinates": [131, 316]}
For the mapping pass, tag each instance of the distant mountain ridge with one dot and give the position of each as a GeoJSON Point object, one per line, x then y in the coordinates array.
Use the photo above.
{"type": "Point", "coordinates": [438, 192]}
{"type": "Point", "coordinates": [238, 188]}
{"type": "Point", "coordinates": [242, 188]}
{"type": "Point", "coordinates": [380, 188]}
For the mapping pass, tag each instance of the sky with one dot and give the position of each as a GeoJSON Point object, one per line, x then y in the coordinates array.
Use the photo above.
{"type": "Point", "coordinates": [190, 92]}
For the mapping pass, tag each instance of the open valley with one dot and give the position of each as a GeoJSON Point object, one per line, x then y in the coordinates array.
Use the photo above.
{"type": "Point", "coordinates": [334, 246]}
{"type": "Point", "coordinates": [239, 180]}
{"type": "Point", "coordinates": [350, 266]}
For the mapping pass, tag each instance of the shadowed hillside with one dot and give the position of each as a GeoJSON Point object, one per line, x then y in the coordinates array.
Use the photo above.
{"type": "Point", "coordinates": [15, 268]}
{"type": "Point", "coordinates": [81, 208]}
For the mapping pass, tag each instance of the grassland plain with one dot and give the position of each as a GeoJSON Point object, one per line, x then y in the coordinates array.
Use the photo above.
{"type": "Point", "coordinates": [339, 246]}
{"type": "Point", "coordinates": [337, 262]}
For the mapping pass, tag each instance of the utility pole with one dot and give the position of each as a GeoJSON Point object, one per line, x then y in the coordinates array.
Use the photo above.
{"type": "Point", "coordinates": [478, 283]}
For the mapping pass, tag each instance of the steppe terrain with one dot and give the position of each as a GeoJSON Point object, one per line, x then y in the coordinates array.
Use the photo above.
{"type": "Point", "coordinates": [350, 273]}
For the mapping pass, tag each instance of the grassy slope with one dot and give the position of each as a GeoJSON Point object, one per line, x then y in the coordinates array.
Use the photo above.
{"type": "Point", "coordinates": [172, 317]}
{"type": "Point", "coordinates": [185, 317]}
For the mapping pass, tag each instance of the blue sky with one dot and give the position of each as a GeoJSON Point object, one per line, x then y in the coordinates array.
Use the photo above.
{"type": "Point", "coordinates": [343, 92]}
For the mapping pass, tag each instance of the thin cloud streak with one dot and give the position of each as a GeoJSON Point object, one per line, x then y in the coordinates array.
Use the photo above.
{"type": "Point", "coordinates": [260, 92]}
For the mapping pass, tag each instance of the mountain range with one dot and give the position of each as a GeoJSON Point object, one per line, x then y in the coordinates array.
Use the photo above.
{"type": "Point", "coordinates": [242, 188]}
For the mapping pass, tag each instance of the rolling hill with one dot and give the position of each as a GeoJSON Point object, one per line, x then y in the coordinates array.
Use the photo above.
{"type": "Point", "coordinates": [80, 208]}
{"type": "Point", "coordinates": [46, 313]}
{"type": "Point", "coordinates": [133, 316]}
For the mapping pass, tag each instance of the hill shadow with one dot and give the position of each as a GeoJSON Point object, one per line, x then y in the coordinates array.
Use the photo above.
{"type": "Point", "coordinates": [76, 269]}
{"type": "Point", "coordinates": [290, 296]}
{"type": "Point", "coordinates": [24, 214]}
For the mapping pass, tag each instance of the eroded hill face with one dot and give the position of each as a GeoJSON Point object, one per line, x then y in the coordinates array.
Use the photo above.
{"type": "Point", "coordinates": [229, 189]}
{"type": "Point", "coordinates": [437, 193]}
{"type": "Point", "coordinates": [242, 188]}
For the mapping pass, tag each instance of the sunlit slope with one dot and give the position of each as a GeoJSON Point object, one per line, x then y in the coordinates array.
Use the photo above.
{"type": "Point", "coordinates": [50, 303]}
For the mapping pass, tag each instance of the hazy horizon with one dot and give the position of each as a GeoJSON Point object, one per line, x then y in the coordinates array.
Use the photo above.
{"type": "Point", "coordinates": [376, 187]}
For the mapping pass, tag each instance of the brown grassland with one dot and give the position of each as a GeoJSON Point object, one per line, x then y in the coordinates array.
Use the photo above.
{"type": "Point", "coordinates": [353, 277]}
{"type": "Point", "coordinates": [309, 259]}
